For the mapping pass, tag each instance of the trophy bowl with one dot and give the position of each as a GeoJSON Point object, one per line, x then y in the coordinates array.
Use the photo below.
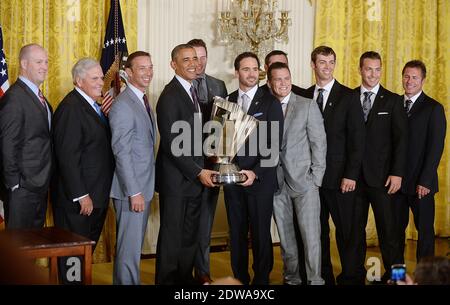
{"type": "Point", "coordinates": [228, 174]}
{"type": "Point", "coordinates": [235, 126]}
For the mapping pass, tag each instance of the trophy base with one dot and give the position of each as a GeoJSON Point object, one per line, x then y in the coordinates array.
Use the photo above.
{"type": "Point", "coordinates": [228, 174]}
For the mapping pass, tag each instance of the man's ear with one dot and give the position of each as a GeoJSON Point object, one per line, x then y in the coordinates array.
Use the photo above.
{"type": "Point", "coordinates": [129, 71]}
{"type": "Point", "coordinates": [173, 65]}
{"type": "Point", "coordinates": [23, 63]}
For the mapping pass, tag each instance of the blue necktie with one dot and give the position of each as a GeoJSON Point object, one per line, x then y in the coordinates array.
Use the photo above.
{"type": "Point", "coordinates": [100, 113]}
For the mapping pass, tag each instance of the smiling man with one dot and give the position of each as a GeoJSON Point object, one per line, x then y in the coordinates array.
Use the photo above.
{"type": "Point", "coordinates": [300, 173]}
{"type": "Point", "coordinates": [179, 178]}
{"type": "Point", "coordinates": [26, 146]}
{"type": "Point", "coordinates": [383, 164]}
{"type": "Point", "coordinates": [344, 126]}
{"type": "Point", "coordinates": [250, 204]}
{"type": "Point", "coordinates": [133, 128]}
{"type": "Point", "coordinates": [427, 127]}
{"type": "Point", "coordinates": [85, 163]}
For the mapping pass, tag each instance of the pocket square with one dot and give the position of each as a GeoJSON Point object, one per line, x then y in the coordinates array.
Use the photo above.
{"type": "Point", "coordinates": [381, 113]}
{"type": "Point", "coordinates": [257, 114]}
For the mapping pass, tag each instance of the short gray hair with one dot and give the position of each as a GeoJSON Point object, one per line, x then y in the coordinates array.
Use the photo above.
{"type": "Point", "coordinates": [80, 68]}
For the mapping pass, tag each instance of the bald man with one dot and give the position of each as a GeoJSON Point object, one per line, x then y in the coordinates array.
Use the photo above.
{"type": "Point", "coordinates": [26, 146]}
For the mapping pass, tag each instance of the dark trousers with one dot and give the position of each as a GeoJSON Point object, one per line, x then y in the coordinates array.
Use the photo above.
{"type": "Point", "coordinates": [423, 211]}
{"type": "Point", "coordinates": [207, 212]}
{"type": "Point", "coordinates": [177, 239]}
{"type": "Point", "coordinates": [91, 226]}
{"type": "Point", "coordinates": [384, 213]}
{"type": "Point", "coordinates": [25, 209]}
{"type": "Point", "coordinates": [250, 211]}
{"type": "Point", "coordinates": [341, 208]}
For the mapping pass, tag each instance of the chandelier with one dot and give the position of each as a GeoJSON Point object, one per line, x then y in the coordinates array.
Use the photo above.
{"type": "Point", "coordinates": [252, 25]}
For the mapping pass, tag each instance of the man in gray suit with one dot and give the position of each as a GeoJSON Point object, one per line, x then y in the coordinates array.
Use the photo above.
{"type": "Point", "coordinates": [300, 173]}
{"type": "Point", "coordinates": [207, 87]}
{"type": "Point", "coordinates": [133, 138]}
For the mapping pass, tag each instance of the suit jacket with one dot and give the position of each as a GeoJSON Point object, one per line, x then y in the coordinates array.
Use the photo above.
{"type": "Point", "coordinates": [133, 141]}
{"type": "Point", "coordinates": [344, 125]}
{"type": "Point", "coordinates": [386, 138]}
{"type": "Point", "coordinates": [304, 146]}
{"type": "Point", "coordinates": [26, 145]}
{"type": "Point", "coordinates": [295, 89]}
{"type": "Point", "coordinates": [264, 107]}
{"type": "Point", "coordinates": [216, 87]}
{"type": "Point", "coordinates": [85, 163]}
{"type": "Point", "coordinates": [426, 134]}
{"type": "Point", "coordinates": [178, 174]}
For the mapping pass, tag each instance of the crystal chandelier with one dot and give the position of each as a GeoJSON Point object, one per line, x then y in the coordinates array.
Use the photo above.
{"type": "Point", "coordinates": [252, 25]}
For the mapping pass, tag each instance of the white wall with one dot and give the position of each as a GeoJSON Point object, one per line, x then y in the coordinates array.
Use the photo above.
{"type": "Point", "coordinates": [163, 24]}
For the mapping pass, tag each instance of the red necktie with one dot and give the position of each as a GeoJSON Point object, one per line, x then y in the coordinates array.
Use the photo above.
{"type": "Point", "coordinates": [42, 99]}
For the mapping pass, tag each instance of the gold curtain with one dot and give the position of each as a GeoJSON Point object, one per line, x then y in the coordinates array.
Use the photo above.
{"type": "Point", "coordinates": [400, 31]}
{"type": "Point", "coordinates": [69, 30]}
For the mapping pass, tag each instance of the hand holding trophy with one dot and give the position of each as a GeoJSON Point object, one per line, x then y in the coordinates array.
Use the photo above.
{"type": "Point", "coordinates": [236, 127]}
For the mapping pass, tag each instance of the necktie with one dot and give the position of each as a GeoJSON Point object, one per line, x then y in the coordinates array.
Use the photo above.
{"type": "Point", "coordinates": [42, 99]}
{"type": "Point", "coordinates": [147, 106]}
{"type": "Point", "coordinates": [200, 86]}
{"type": "Point", "coordinates": [408, 106]}
{"type": "Point", "coordinates": [245, 102]}
{"type": "Point", "coordinates": [195, 98]}
{"type": "Point", "coordinates": [284, 108]}
{"type": "Point", "coordinates": [367, 105]}
{"type": "Point", "coordinates": [100, 113]}
{"type": "Point", "coordinates": [320, 99]}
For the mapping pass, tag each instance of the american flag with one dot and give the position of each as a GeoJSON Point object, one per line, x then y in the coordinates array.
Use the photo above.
{"type": "Point", "coordinates": [113, 53]}
{"type": "Point", "coordinates": [4, 85]}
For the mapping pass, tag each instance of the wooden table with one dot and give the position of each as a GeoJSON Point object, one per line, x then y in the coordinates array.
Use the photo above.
{"type": "Point", "coordinates": [53, 242]}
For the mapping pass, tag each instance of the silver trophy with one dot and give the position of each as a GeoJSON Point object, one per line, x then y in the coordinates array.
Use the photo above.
{"type": "Point", "coordinates": [236, 127]}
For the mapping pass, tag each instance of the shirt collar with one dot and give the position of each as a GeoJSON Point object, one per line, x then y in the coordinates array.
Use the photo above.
{"type": "Point", "coordinates": [286, 99]}
{"type": "Point", "coordinates": [85, 96]}
{"type": "Point", "coordinates": [186, 84]}
{"type": "Point", "coordinates": [414, 98]}
{"type": "Point", "coordinates": [30, 85]}
{"type": "Point", "coordinates": [327, 87]}
{"type": "Point", "coordinates": [374, 89]}
{"type": "Point", "coordinates": [250, 93]}
{"type": "Point", "coordinates": [136, 91]}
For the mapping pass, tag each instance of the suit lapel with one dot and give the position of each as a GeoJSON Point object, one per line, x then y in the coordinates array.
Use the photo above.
{"type": "Point", "coordinates": [184, 95]}
{"type": "Point", "coordinates": [378, 102]}
{"type": "Point", "coordinates": [209, 87]}
{"type": "Point", "coordinates": [290, 111]}
{"type": "Point", "coordinates": [140, 109]}
{"type": "Point", "coordinates": [88, 109]}
{"type": "Point", "coordinates": [332, 99]}
{"type": "Point", "coordinates": [255, 104]}
{"type": "Point", "coordinates": [418, 104]}
{"type": "Point", "coordinates": [35, 100]}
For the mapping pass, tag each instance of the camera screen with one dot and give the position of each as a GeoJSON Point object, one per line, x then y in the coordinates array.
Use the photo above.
{"type": "Point", "coordinates": [398, 273]}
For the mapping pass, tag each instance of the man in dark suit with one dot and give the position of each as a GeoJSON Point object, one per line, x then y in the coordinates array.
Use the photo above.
{"type": "Point", "coordinates": [344, 126]}
{"type": "Point", "coordinates": [84, 159]}
{"type": "Point", "coordinates": [207, 87]}
{"type": "Point", "coordinates": [383, 165]}
{"type": "Point", "coordinates": [180, 173]}
{"type": "Point", "coordinates": [26, 145]}
{"type": "Point", "coordinates": [279, 56]}
{"type": "Point", "coordinates": [426, 134]}
{"type": "Point", "coordinates": [250, 205]}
